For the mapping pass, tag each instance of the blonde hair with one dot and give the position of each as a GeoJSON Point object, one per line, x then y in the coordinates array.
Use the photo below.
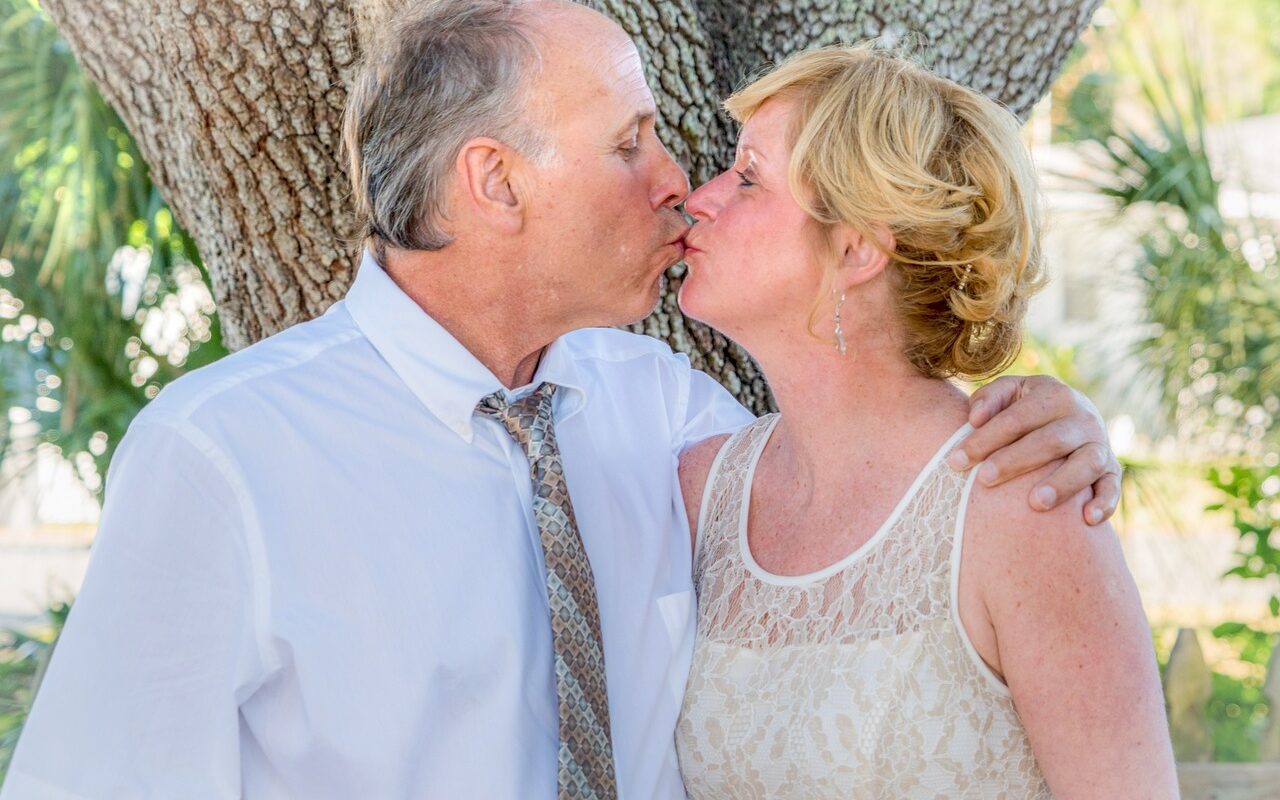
{"type": "Point", "coordinates": [881, 141]}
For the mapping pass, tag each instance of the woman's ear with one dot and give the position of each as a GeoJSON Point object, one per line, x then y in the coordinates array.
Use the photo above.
{"type": "Point", "coordinates": [486, 170]}
{"type": "Point", "coordinates": [862, 257]}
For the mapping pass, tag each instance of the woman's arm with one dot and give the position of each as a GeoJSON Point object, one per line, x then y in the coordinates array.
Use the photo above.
{"type": "Point", "coordinates": [1050, 605]}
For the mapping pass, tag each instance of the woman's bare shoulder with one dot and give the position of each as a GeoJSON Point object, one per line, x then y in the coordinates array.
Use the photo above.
{"type": "Point", "coordinates": [695, 466]}
{"type": "Point", "coordinates": [1041, 574]}
{"type": "Point", "coordinates": [1003, 529]}
{"type": "Point", "coordinates": [1070, 640]}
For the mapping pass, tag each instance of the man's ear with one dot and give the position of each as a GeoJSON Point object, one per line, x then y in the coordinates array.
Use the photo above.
{"type": "Point", "coordinates": [486, 171]}
{"type": "Point", "coordinates": [862, 258]}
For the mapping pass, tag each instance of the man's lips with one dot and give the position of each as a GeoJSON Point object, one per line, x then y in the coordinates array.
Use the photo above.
{"type": "Point", "coordinates": [678, 242]}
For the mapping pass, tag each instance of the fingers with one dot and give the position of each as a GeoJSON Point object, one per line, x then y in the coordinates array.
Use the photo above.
{"type": "Point", "coordinates": [1055, 441]}
{"type": "Point", "coordinates": [1106, 498]}
{"type": "Point", "coordinates": [993, 398]}
{"type": "Point", "coordinates": [1031, 411]}
{"type": "Point", "coordinates": [1087, 466]}
{"type": "Point", "coordinates": [1022, 424]}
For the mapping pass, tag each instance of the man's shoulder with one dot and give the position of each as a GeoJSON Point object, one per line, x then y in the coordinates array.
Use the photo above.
{"type": "Point", "coordinates": [612, 344]}
{"type": "Point", "coordinates": [267, 365]}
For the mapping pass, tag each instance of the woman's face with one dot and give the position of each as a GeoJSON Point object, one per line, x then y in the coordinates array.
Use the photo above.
{"type": "Point", "coordinates": [754, 267]}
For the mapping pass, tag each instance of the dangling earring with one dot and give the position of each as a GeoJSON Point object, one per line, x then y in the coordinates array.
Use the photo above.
{"type": "Point", "coordinates": [839, 330]}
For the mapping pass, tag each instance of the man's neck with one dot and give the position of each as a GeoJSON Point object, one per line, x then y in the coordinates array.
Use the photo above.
{"type": "Point", "coordinates": [495, 326]}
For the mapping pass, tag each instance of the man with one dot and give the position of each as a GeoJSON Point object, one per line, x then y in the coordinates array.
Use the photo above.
{"type": "Point", "coordinates": [323, 569]}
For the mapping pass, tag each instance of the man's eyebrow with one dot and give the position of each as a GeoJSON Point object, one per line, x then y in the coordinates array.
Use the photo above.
{"type": "Point", "coordinates": [638, 121]}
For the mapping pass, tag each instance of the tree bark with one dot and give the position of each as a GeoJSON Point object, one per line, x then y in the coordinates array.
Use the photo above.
{"type": "Point", "coordinates": [237, 107]}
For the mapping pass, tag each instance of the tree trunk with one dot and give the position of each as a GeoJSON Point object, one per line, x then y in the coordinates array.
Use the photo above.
{"type": "Point", "coordinates": [237, 107]}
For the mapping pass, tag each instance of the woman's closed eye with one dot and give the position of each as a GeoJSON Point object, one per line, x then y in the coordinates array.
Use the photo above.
{"type": "Point", "coordinates": [743, 180]}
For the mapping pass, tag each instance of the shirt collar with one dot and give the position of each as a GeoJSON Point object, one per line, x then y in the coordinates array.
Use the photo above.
{"type": "Point", "coordinates": [441, 373]}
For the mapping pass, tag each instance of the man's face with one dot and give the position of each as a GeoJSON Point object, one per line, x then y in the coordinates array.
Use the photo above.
{"type": "Point", "coordinates": [602, 209]}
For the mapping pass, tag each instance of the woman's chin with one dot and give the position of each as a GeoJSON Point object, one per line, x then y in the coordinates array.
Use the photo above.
{"type": "Point", "coordinates": [682, 301]}
{"type": "Point", "coordinates": [690, 302]}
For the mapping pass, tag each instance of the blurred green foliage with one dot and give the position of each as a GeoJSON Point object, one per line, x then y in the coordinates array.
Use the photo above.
{"type": "Point", "coordinates": [101, 297]}
{"type": "Point", "coordinates": [1210, 285]}
{"type": "Point", "coordinates": [1238, 710]}
{"type": "Point", "coordinates": [23, 658]}
{"type": "Point", "coordinates": [1252, 496]}
{"type": "Point", "coordinates": [1236, 45]}
{"type": "Point", "coordinates": [1209, 282]}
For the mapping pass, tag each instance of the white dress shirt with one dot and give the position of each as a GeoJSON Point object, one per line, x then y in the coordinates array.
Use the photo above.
{"type": "Point", "coordinates": [317, 573]}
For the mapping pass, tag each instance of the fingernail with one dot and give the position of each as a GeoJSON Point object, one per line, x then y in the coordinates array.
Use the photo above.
{"type": "Point", "coordinates": [959, 459]}
{"type": "Point", "coordinates": [1046, 495]}
{"type": "Point", "coordinates": [988, 473]}
{"type": "Point", "coordinates": [976, 410]}
{"type": "Point", "coordinates": [1095, 516]}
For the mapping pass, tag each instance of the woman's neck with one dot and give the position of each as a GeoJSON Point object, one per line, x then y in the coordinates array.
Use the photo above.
{"type": "Point", "coordinates": [841, 412]}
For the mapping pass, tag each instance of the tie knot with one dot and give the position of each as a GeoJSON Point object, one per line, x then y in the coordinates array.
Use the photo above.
{"type": "Point", "coordinates": [528, 420]}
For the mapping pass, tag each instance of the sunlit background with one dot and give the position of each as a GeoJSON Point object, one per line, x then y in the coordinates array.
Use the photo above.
{"type": "Point", "coordinates": [1159, 151]}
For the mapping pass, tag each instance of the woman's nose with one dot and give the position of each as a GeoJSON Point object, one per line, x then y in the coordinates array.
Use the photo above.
{"type": "Point", "coordinates": [699, 204]}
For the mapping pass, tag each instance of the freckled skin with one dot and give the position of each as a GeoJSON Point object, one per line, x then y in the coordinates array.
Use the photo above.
{"type": "Point", "coordinates": [1046, 601]}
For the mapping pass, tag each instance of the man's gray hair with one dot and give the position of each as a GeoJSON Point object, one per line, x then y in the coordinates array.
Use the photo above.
{"type": "Point", "coordinates": [440, 74]}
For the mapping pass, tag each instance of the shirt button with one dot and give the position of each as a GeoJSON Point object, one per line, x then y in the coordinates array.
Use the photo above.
{"type": "Point", "coordinates": [462, 428]}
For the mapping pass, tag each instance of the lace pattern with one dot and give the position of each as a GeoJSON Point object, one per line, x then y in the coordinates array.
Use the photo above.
{"type": "Point", "coordinates": [855, 681]}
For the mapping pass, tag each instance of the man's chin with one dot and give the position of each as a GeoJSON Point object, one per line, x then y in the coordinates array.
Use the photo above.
{"type": "Point", "coordinates": [659, 291]}
{"type": "Point", "coordinates": [654, 301]}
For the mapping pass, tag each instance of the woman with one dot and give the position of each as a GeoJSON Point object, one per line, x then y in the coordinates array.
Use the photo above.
{"type": "Point", "coordinates": [870, 624]}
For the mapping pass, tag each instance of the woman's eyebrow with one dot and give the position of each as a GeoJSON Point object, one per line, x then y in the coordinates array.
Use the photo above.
{"type": "Point", "coordinates": [751, 153]}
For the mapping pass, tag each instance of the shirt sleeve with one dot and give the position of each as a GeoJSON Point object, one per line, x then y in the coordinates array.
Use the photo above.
{"type": "Point", "coordinates": [141, 698]}
{"type": "Point", "coordinates": [709, 409]}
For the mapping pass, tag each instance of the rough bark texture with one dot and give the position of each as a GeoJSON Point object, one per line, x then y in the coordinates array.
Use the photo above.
{"type": "Point", "coordinates": [237, 106]}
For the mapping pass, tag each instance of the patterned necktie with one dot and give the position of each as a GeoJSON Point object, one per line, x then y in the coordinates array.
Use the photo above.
{"type": "Point", "coordinates": [586, 748]}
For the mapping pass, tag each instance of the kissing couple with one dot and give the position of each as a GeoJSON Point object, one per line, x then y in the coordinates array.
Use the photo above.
{"type": "Point", "coordinates": [460, 537]}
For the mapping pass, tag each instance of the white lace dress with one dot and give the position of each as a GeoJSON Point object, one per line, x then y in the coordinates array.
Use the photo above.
{"type": "Point", "coordinates": [856, 681]}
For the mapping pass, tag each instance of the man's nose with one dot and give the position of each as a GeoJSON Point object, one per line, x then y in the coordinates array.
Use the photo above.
{"type": "Point", "coordinates": [671, 185]}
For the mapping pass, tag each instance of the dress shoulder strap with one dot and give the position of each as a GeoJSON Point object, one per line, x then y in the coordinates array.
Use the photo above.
{"type": "Point", "coordinates": [727, 481]}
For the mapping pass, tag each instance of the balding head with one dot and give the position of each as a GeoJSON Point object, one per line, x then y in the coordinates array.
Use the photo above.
{"type": "Point", "coordinates": [584, 57]}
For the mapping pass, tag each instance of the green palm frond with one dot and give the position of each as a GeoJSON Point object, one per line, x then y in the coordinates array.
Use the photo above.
{"type": "Point", "coordinates": [1212, 327]}
{"type": "Point", "coordinates": [73, 191]}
